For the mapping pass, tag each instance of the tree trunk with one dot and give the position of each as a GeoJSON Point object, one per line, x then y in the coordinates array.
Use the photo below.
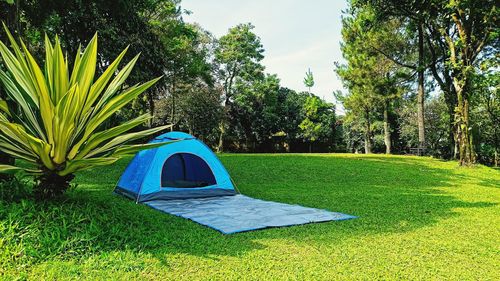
{"type": "Point", "coordinates": [368, 144]}
{"type": "Point", "coordinates": [496, 160]}
{"type": "Point", "coordinates": [228, 85]}
{"type": "Point", "coordinates": [496, 133]}
{"type": "Point", "coordinates": [387, 129]}
{"type": "Point", "coordinates": [452, 130]}
{"type": "Point", "coordinates": [220, 146]}
{"type": "Point", "coordinates": [172, 109]}
{"type": "Point", "coordinates": [51, 185]}
{"type": "Point", "coordinates": [464, 137]}
{"type": "Point", "coordinates": [421, 91]}
{"type": "Point", "coordinates": [151, 105]}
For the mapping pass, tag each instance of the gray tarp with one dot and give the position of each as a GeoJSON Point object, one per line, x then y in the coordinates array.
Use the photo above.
{"type": "Point", "coordinates": [238, 213]}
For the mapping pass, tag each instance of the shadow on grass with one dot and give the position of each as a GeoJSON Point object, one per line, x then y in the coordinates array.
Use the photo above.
{"type": "Point", "coordinates": [388, 194]}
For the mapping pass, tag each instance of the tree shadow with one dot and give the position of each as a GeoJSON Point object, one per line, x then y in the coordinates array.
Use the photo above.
{"type": "Point", "coordinates": [389, 195]}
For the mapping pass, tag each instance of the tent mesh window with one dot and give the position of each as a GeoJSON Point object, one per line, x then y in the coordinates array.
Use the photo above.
{"type": "Point", "coordinates": [185, 170]}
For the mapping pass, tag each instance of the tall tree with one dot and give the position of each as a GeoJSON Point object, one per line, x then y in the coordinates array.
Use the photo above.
{"type": "Point", "coordinates": [372, 78]}
{"type": "Point", "coordinates": [291, 113]}
{"type": "Point", "coordinates": [457, 33]}
{"type": "Point", "coordinates": [474, 28]}
{"type": "Point", "coordinates": [238, 54]}
{"type": "Point", "coordinates": [442, 74]}
{"type": "Point", "coordinates": [414, 15]}
{"type": "Point", "coordinates": [187, 49]}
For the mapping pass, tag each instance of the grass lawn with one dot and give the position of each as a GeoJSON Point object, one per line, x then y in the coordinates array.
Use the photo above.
{"type": "Point", "coordinates": [419, 218]}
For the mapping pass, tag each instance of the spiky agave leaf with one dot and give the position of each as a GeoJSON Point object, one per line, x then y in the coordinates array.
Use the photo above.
{"type": "Point", "coordinates": [57, 127]}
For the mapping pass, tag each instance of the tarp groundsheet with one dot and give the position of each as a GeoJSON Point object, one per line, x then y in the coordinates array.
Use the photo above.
{"type": "Point", "coordinates": [238, 213]}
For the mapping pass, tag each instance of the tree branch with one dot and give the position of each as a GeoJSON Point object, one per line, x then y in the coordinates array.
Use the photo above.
{"type": "Point", "coordinates": [413, 67]}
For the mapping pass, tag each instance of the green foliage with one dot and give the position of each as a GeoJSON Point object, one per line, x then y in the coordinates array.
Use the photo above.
{"type": "Point", "coordinates": [445, 219]}
{"type": "Point", "coordinates": [485, 114]}
{"type": "Point", "coordinates": [187, 49]}
{"type": "Point", "coordinates": [291, 112]}
{"type": "Point", "coordinates": [55, 120]}
{"type": "Point", "coordinates": [239, 53]}
{"type": "Point", "coordinates": [198, 112]}
{"type": "Point", "coordinates": [436, 113]}
{"type": "Point", "coordinates": [197, 68]}
{"type": "Point", "coordinates": [458, 36]}
{"type": "Point", "coordinates": [309, 80]}
{"type": "Point", "coordinates": [374, 81]}
{"type": "Point", "coordinates": [319, 120]}
{"type": "Point", "coordinates": [256, 111]}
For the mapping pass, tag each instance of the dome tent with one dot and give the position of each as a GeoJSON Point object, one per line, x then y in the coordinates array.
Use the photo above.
{"type": "Point", "coordinates": [183, 169]}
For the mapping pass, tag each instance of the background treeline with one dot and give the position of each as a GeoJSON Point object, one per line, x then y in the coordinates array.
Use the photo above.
{"type": "Point", "coordinates": [418, 74]}
{"type": "Point", "coordinates": [422, 74]}
{"type": "Point", "coordinates": [214, 88]}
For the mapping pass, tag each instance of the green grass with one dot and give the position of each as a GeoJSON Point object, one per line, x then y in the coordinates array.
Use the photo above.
{"type": "Point", "coordinates": [419, 218]}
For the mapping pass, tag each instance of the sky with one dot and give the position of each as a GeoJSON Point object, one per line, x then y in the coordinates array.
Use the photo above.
{"type": "Point", "coordinates": [296, 35]}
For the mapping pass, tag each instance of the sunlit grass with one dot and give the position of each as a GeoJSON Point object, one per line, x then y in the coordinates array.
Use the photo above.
{"type": "Point", "coordinates": [419, 218]}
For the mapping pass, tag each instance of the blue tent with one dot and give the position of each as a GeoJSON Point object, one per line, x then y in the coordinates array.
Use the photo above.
{"type": "Point", "coordinates": [183, 169]}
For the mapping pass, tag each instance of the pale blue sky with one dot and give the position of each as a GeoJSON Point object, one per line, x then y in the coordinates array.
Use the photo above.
{"type": "Point", "coordinates": [296, 34]}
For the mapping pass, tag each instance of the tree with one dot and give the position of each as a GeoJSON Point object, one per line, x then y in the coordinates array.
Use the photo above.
{"type": "Point", "coordinates": [373, 80]}
{"type": "Point", "coordinates": [309, 80]}
{"type": "Point", "coordinates": [153, 28]}
{"type": "Point", "coordinates": [413, 14]}
{"type": "Point", "coordinates": [290, 113]}
{"type": "Point", "coordinates": [187, 48]}
{"type": "Point", "coordinates": [435, 114]}
{"type": "Point", "coordinates": [238, 54]}
{"type": "Point", "coordinates": [486, 112]}
{"type": "Point", "coordinates": [474, 23]}
{"type": "Point", "coordinates": [255, 111]}
{"type": "Point", "coordinates": [57, 114]}
{"type": "Point", "coordinates": [360, 106]}
{"type": "Point", "coordinates": [441, 72]}
{"type": "Point", "coordinates": [319, 120]}
{"type": "Point", "coordinates": [199, 111]}
{"type": "Point", "coordinates": [459, 34]}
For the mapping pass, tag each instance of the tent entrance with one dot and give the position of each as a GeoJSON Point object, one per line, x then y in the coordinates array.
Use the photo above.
{"type": "Point", "coordinates": [186, 170]}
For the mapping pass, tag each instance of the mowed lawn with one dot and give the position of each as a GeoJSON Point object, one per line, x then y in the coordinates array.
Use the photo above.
{"type": "Point", "coordinates": [419, 218]}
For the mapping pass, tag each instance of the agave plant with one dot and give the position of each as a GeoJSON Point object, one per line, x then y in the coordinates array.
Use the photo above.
{"type": "Point", "coordinates": [54, 121]}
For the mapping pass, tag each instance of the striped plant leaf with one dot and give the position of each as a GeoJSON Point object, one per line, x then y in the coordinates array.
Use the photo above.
{"type": "Point", "coordinates": [59, 113]}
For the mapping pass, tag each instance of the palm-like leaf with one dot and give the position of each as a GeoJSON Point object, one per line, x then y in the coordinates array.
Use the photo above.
{"type": "Point", "coordinates": [57, 123]}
